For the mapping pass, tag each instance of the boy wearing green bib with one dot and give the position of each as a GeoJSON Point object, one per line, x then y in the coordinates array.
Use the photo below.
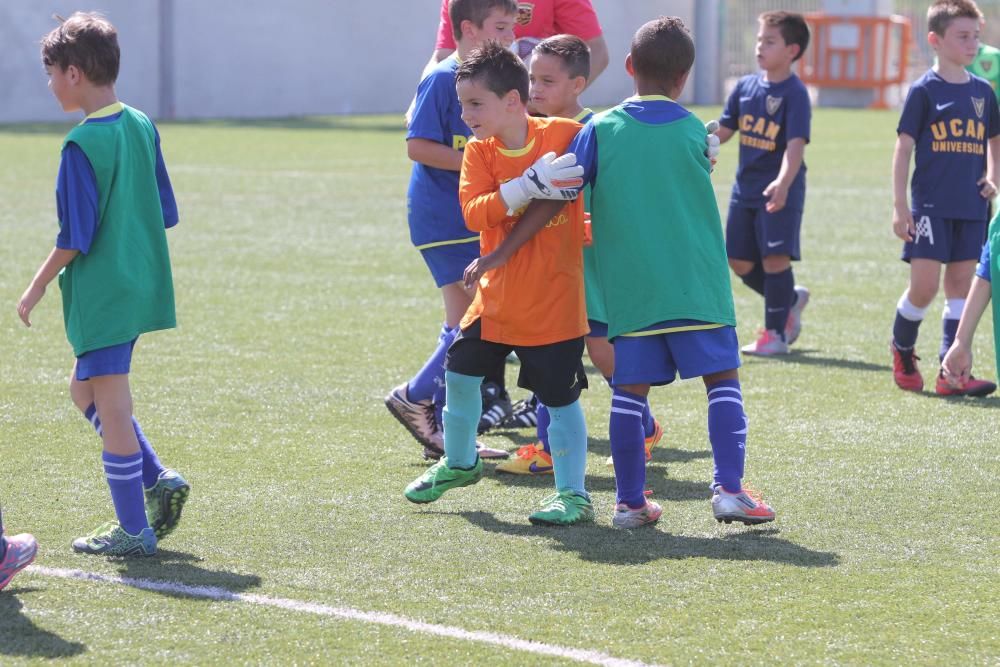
{"type": "Point", "coordinates": [114, 201]}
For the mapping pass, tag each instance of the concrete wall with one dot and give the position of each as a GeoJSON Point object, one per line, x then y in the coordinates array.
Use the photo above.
{"type": "Point", "coordinates": [258, 58]}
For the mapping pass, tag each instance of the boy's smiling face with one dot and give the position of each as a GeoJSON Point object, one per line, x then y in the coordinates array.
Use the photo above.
{"type": "Point", "coordinates": [482, 110]}
{"type": "Point", "coordinates": [552, 89]}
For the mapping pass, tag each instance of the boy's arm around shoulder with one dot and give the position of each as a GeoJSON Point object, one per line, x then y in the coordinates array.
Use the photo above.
{"type": "Point", "coordinates": [482, 205]}
{"type": "Point", "coordinates": [536, 216]}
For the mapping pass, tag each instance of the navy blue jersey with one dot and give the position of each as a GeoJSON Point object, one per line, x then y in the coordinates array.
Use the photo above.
{"type": "Point", "coordinates": [434, 213]}
{"type": "Point", "coordinates": [767, 115]}
{"type": "Point", "coordinates": [77, 201]}
{"type": "Point", "coordinates": [951, 124]}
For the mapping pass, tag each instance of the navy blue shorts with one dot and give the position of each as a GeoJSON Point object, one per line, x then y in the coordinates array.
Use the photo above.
{"type": "Point", "coordinates": [447, 262]}
{"type": "Point", "coordinates": [753, 233]}
{"type": "Point", "coordinates": [114, 360]}
{"type": "Point", "coordinates": [657, 359]}
{"type": "Point", "coordinates": [598, 329]}
{"type": "Point", "coordinates": [945, 240]}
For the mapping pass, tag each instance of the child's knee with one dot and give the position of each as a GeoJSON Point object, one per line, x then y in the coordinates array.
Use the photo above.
{"type": "Point", "coordinates": [80, 392]}
{"type": "Point", "coordinates": [776, 263]}
{"type": "Point", "coordinates": [740, 267]}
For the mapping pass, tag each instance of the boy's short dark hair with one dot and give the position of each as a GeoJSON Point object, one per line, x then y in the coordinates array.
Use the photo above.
{"type": "Point", "coordinates": [572, 50]}
{"type": "Point", "coordinates": [475, 11]}
{"type": "Point", "coordinates": [662, 50]}
{"type": "Point", "coordinates": [88, 41]}
{"type": "Point", "coordinates": [943, 12]}
{"type": "Point", "coordinates": [793, 28]}
{"type": "Point", "coordinates": [495, 67]}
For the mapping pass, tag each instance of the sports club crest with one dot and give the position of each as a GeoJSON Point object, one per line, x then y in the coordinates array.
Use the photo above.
{"type": "Point", "coordinates": [980, 105]}
{"type": "Point", "coordinates": [525, 10]}
{"type": "Point", "coordinates": [773, 103]}
{"type": "Point", "coordinates": [986, 65]}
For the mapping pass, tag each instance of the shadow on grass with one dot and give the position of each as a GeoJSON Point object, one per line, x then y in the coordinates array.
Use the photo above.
{"type": "Point", "coordinates": [178, 567]}
{"type": "Point", "coordinates": [604, 544]}
{"type": "Point", "coordinates": [808, 357]}
{"type": "Point", "coordinates": [662, 486]}
{"type": "Point", "coordinates": [19, 636]}
{"type": "Point", "coordinates": [965, 401]}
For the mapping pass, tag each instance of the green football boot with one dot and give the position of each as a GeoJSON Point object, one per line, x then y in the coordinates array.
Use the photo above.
{"type": "Point", "coordinates": [563, 508]}
{"type": "Point", "coordinates": [165, 501]}
{"type": "Point", "coordinates": [439, 478]}
{"type": "Point", "coordinates": [112, 540]}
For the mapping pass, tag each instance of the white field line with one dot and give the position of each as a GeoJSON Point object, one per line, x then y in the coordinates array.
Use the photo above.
{"type": "Point", "coordinates": [380, 618]}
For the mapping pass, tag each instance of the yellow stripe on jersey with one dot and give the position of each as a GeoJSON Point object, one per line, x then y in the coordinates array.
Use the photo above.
{"type": "Point", "coordinates": [519, 151]}
{"type": "Point", "coordinates": [666, 330]}
{"type": "Point", "coordinates": [583, 114]}
{"type": "Point", "coordinates": [435, 244]}
{"type": "Point", "coordinates": [103, 112]}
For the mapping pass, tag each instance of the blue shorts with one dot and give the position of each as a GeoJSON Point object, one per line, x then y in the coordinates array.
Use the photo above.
{"type": "Point", "coordinates": [945, 240]}
{"type": "Point", "coordinates": [447, 262]}
{"type": "Point", "coordinates": [753, 233]}
{"type": "Point", "coordinates": [597, 329]}
{"type": "Point", "coordinates": [114, 360]}
{"type": "Point", "coordinates": [659, 358]}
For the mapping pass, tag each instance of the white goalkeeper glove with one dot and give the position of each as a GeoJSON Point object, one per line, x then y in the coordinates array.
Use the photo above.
{"type": "Point", "coordinates": [550, 177]}
{"type": "Point", "coordinates": [712, 143]}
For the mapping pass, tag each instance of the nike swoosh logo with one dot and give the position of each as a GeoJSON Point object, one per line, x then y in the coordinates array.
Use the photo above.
{"type": "Point", "coordinates": [775, 244]}
{"type": "Point", "coordinates": [745, 99]}
{"type": "Point", "coordinates": [942, 107]}
{"type": "Point", "coordinates": [535, 468]}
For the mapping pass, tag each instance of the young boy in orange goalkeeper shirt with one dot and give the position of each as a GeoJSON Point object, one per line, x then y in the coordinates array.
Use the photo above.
{"type": "Point", "coordinates": [534, 304]}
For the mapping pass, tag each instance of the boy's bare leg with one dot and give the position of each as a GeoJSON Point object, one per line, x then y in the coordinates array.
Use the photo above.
{"type": "Point", "coordinates": [113, 399]}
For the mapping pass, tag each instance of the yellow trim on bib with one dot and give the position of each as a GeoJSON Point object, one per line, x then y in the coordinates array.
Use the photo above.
{"type": "Point", "coordinates": [436, 244]}
{"type": "Point", "coordinates": [104, 112]}
{"type": "Point", "coordinates": [666, 330]}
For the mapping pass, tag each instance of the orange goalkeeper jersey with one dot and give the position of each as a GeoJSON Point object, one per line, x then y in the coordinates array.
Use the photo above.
{"type": "Point", "coordinates": [537, 297]}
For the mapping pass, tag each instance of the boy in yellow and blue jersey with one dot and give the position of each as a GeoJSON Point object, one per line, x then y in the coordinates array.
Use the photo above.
{"type": "Point", "coordinates": [435, 141]}
{"type": "Point", "coordinates": [114, 201]}
{"type": "Point", "coordinates": [558, 74]}
{"type": "Point", "coordinates": [951, 124]}
{"type": "Point", "coordinates": [771, 111]}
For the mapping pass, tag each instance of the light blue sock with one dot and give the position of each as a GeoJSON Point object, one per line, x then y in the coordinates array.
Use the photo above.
{"type": "Point", "coordinates": [124, 475]}
{"type": "Point", "coordinates": [568, 441]}
{"type": "Point", "coordinates": [461, 419]}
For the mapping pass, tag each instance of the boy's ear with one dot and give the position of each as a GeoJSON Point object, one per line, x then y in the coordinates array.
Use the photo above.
{"type": "Point", "coordinates": [933, 39]}
{"type": "Point", "coordinates": [628, 65]}
{"type": "Point", "coordinates": [73, 74]}
{"type": "Point", "coordinates": [512, 100]}
{"type": "Point", "coordinates": [467, 28]}
{"type": "Point", "coordinates": [579, 84]}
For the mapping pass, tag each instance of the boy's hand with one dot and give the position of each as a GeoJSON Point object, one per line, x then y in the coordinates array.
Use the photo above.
{"type": "Point", "coordinates": [550, 177]}
{"type": "Point", "coordinates": [902, 224]}
{"type": "Point", "coordinates": [776, 194]}
{"type": "Point", "coordinates": [712, 143]}
{"type": "Point", "coordinates": [28, 301]}
{"type": "Point", "coordinates": [479, 266]}
{"type": "Point", "coordinates": [957, 364]}
{"type": "Point", "coordinates": [988, 190]}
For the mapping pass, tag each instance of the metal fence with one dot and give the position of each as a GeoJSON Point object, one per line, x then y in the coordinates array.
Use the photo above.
{"type": "Point", "coordinates": [739, 29]}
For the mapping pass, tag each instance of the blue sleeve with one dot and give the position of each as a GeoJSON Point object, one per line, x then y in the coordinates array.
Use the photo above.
{"type": "Point", "coordinates": [983, 269]}
{"type": "Point", "coordinates": [914, 117]}
{"type": "Point", "coordinates": [799, 116]}
{"type": "Point", "coordinates": [428, 120]}
{"type": "Point", "coordinates": [76, 200]}
{"type": "Point", "coordinates": [731, 113]}
{"type": "Point", "coordinates": [167, 201]}
{"type": "Point", "coordinates": [584, 146]}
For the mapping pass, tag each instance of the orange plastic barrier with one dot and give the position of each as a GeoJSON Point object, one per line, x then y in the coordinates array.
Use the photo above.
{"type": "Point", "coordinates": [857, 52]}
